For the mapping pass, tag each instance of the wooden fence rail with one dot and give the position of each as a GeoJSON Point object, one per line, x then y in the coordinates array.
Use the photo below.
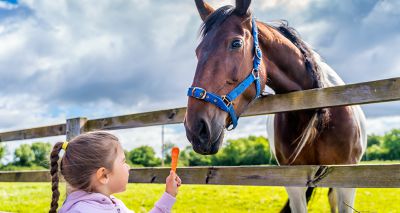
{"type": "Point", "coordinates": [374, 176]}
{"type": "Point", "coordinates": [353, 176]}
{"type": "Point", "coordinates": [351, 94]}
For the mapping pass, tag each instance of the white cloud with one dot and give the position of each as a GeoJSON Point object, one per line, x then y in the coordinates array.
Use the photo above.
{"type": "Point", "coordinates": [292, 6]}
{"type": "Point", "coordinates": [384, 14]}
{"type": "Point", "coordinates": [381, 125]}
{"type": "Point", "coordinates": [25, 111]}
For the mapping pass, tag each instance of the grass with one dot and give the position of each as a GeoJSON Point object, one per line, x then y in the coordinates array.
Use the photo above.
{"type": "Point", "coordinates": [380, 162]}
{"type": "Point", "coordinates": [35, 197]}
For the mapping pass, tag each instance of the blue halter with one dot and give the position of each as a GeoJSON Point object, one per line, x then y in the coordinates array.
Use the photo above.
{"type": "Point", "coordinates": [224, 102]}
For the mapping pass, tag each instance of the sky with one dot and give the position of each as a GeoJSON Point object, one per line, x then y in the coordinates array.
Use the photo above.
{"type": "Point", "coordinates": [68, 58]}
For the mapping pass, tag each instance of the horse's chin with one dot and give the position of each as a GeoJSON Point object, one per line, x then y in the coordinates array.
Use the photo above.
{"type": "Point", "coordinates": [208, 150]}
{"type": "Point", "coordinates": [208, 147]}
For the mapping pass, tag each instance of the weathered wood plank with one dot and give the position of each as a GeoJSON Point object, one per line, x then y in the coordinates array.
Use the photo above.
{"type": "Point", "coordinates": [351, 94]}
{"type": "Point", "coordinates": [357, 176]}
{"type": "Point", "coordinates": [169, 116]}
{"type": "Point", "coordinates": [38, 132]}
{"type": "Point", "coordinates": [25, 176]}
{"type": "Point", "coordinates": [361, 93]}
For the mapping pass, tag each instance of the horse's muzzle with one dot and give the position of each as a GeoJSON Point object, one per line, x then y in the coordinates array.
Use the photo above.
{"type": "Point", "coordinates": [205, 139]}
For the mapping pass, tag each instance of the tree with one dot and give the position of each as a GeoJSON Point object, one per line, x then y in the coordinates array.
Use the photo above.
{"type": "Point", "coordinates": [144, 155]}
{"type": "Point", "coordinates": [42, 153]}
{"type": "Point", "coordinates": [24, 156]}
{"type": "Point", "coordinates": [195, 159]}
{"type": "Point", "coordinates": [3, 151]}
{"type": "Point", "coordinates": [374, 140]}
{"type": "Point", "coordinates": [376, 152]}
{"type": "Point", "coordinates": [244, 151]}
{"type": "Point", "coordinates": [391, 142]}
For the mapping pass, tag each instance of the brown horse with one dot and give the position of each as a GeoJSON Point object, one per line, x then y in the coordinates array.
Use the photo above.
{"type": "Point", "coordinates": [226, 57]}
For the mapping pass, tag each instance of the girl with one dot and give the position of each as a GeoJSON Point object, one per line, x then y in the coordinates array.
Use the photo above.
{"type": "Point", "coordinates": [94, 166]}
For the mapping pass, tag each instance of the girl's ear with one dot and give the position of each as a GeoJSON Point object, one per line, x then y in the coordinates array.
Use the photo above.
{"type": "Point", "coordinates": [102, 175]}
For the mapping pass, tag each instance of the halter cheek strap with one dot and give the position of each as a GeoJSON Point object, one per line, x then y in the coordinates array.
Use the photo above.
{"type": "Point", "coordinates": [224, 102]}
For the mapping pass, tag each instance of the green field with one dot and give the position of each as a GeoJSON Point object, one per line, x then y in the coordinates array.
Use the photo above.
{"type": "Point", "coordinates": [35, 197]}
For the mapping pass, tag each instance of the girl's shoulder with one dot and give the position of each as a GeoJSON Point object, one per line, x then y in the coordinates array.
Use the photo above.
{"type": "Point", "coordinates": [81, 201]}
{"type": "Point", "coordinates": [91, 207]}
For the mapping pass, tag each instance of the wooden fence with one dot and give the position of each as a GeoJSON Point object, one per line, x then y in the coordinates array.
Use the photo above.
{"type": "Point", "coordinates": [328, 176]}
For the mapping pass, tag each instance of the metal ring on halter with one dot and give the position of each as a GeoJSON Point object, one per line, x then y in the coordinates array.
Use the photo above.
{"type": "Point", "coordinates": [230, 127]}
{"type": "Point", "coordinates": [255, 73]}
{"type": "Point", "coordinates": [226, 100]}
{"type": "Point", "coordinates": [203, 92]}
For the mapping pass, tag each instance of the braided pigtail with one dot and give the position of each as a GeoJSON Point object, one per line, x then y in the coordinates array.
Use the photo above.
{"type": "Point", "coordinates": [54, 176]}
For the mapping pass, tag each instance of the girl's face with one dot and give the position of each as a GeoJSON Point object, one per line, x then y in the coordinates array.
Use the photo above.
{"type": "Point", "coordinates": [120, 173]}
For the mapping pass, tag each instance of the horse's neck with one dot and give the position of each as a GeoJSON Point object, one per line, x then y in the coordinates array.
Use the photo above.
{"type": "Point", "coordinates": [284, 62]}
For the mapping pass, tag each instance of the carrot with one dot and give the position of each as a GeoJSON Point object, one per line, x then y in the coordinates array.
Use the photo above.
{"type": "Point", "coordinates": [174, 158]}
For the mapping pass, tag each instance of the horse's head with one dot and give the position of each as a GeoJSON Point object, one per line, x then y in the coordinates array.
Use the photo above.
{"type": "Point", "coordinates": [226, 78]}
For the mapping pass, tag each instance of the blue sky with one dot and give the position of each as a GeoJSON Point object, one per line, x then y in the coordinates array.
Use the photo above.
{"type": "Point", "coordinates": [63, 59]}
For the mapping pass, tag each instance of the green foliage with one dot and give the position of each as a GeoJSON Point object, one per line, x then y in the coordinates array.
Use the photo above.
{"type": "Point", "coordinates": [391, 142]}
{"type": "Point", "coordinates": [24, 155]}
{"type": "Point", "coordinates": [386, 147]}
{"type": "Point", "coordinates": [374, 140]}
{"type": "Point", "coordinates": [144, 155]}
{"type": "Point", "coordinates": [33, 154]}
{"type": "Point", "coordinates": [3, 151]}
{"type": "Point", "coordinates": [376, 152]}
{"type": "Point", "coordinates": [42, 153]}
{"type": "Point", "coordinates": [244, 151]}
{"type": "Point", "coordinates": [12, 167]}
{"type": "Point", "coordinates": [195, 159]}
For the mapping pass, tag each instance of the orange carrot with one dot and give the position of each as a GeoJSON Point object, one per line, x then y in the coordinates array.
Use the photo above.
{"type": "Point", "coordinates": [174, 158]}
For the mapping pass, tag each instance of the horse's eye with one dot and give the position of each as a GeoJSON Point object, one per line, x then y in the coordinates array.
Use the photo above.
{"type": "Point", "coordinates": [236, 44]}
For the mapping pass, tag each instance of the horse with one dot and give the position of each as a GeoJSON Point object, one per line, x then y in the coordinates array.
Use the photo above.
{"type": "Point", "coordinates": [238, 57]}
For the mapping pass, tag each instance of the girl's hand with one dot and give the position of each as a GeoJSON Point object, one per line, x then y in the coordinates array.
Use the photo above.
{"type": "Point", "coordinates": [172, 183]}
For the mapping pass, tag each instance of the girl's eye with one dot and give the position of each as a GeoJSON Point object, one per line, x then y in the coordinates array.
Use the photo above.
{"type": "Point", "coordinates": [236, 44]}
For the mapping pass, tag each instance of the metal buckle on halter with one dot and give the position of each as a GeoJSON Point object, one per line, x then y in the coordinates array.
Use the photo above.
{"type": "Point", "coordinates": [203, 92]}
{"type": "Point", "coordinates": [226, 100]}
{"type": "Point", "coordinates": [255, 73]}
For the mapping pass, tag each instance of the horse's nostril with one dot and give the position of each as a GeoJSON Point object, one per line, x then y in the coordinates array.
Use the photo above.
{"type": "Point", "coordinates": [203, 130]}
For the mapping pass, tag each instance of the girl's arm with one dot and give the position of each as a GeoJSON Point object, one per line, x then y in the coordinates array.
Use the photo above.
{"type": "Point", "coordinates": [167, 200]}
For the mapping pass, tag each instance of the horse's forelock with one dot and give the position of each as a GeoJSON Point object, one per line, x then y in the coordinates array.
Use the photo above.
{"type": "Point", "coordinates": [216, 19]}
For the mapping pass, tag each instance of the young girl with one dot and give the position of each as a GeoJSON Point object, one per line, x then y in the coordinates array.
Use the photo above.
{"type": "Point", "coordinates": [94, 166]}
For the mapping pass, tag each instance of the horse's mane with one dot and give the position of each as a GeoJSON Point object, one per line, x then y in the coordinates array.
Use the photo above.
{"type": "Point", "coordinates": [319, 117]}
{"type": "Point", "coordinates": [309, 59]}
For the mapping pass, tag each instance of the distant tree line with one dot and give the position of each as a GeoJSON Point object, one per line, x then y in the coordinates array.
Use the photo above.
{"type": "Point", "coordinates": [243, 151]}
{"type": "Point", "coordinates": [383, 147]}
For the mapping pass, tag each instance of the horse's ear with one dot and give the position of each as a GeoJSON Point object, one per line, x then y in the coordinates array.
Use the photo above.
{"type": "Point", "coordinates": [204, 9]}
{"type": "Point", "coordinates": [242, 7]}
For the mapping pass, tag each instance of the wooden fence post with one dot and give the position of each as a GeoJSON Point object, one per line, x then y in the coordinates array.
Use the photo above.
{"type": "Point", "coordinates": [74, 127]}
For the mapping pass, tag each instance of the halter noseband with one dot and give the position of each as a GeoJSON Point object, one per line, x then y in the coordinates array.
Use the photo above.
{"type": "Point", "coordinates": [224, 102]}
